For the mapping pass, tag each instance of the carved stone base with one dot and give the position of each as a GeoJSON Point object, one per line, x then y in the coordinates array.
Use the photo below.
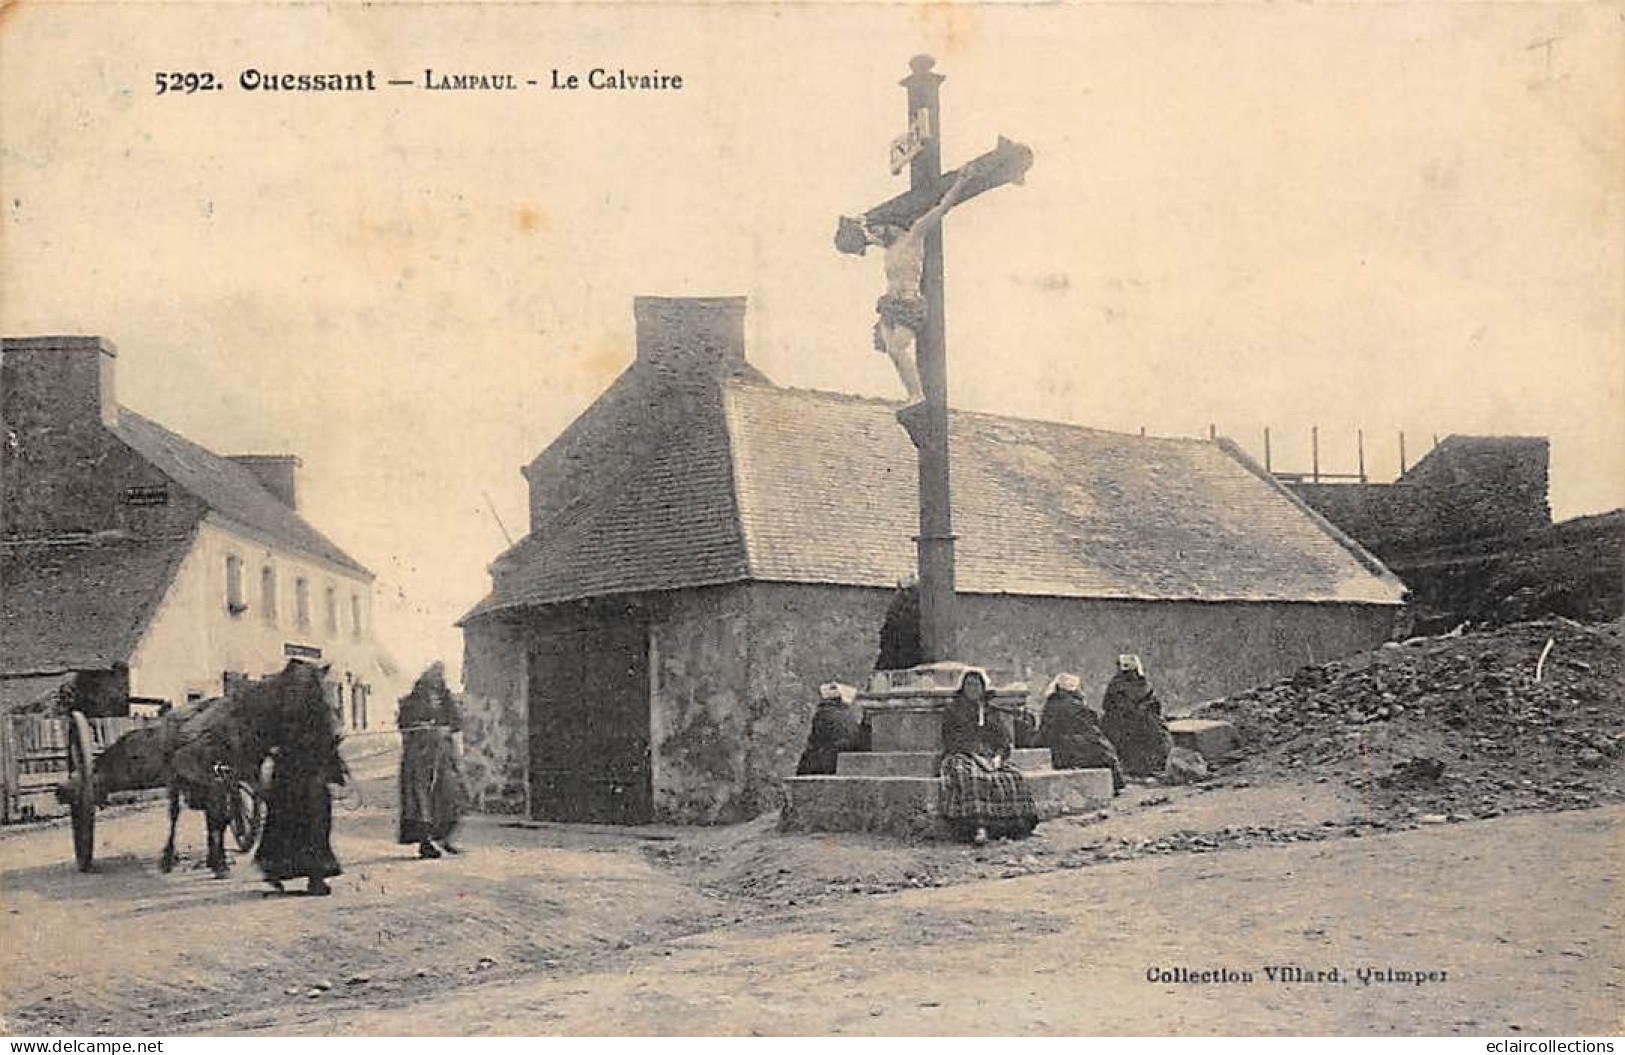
{"type": "Point", "coordinates": [906, 807]}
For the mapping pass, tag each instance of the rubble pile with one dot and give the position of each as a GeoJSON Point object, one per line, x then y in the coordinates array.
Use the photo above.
{"type": "Point", "coordinates": [1465, 725]}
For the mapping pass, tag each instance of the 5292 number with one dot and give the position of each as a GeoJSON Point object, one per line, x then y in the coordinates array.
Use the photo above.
{"type": "Point", "coordinates": [186, 82]}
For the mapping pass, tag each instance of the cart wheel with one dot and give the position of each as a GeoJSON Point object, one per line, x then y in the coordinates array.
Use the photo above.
{"type": "Point", "coordinates": [82, 789]}
{"type": "Point", "coordinates": [247, 816]}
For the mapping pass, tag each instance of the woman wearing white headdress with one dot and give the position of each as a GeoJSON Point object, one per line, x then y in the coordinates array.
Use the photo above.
{"type": "Point", "coordinates": [1071, 731]}
{"type": "Point", "coordinates": [1133, 720]}
{"type": "Point", "coordinates": [837, 727]}
{"type": "Point", "coordinates": [980, 794]}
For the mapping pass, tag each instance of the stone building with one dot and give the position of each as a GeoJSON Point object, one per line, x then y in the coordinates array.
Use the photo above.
{"type": "Point", "coordinates": [1467, 489]}
{"type": "Point", "coordinates": [706, 547]}
{"type": "Point", "coordinates": [1469, 531]}
{"type": "Point", "coordinates": [137, 566]}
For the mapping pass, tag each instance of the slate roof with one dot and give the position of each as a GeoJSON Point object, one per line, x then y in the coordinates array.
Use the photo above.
{"type": "Point", "coordinates": [227, 488]}
{"type": "Point", "coordinates": [80, 605]}
{"type": "Point", "coordinates": [827, 492]}
{"type": "Point", "coordinates": [667, 522]}
{"type": "Point", "coordinates": [788, 485]}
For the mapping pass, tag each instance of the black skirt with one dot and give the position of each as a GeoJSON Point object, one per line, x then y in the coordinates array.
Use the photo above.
{"type": "Point", "coordinates": [298, 828]}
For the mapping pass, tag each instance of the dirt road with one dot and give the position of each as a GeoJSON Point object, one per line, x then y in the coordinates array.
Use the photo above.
{"type": "Point", "coordinates": [127, 949]}
{"type": "Point", "coordinates": [561, 930]}
{"type": "Point", "coordinates": [1520, 917]}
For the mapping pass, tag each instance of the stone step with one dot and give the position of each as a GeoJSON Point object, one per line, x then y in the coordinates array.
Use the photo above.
{"type": "Point", "coordinates": [1214, 740]}
{"type": "Point", "coordinates": [922, 763]}
{"type": "Point", "coordinates": [907, 806]}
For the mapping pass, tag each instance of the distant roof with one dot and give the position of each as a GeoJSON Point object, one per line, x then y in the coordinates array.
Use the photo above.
{"type": "Point", "coordinates": [228, 488]}
{"type": "Point", "coordinates": [788, 485]}
{"type": "Point", "coordinates": [83, 604]}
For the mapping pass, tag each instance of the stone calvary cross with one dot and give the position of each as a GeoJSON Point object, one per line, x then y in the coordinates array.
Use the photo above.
{"type": "Point", "coordinates": [927, 422]}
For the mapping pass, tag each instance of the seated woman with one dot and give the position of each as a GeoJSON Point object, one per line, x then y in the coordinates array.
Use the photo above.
{"type": "Point", "coordinates": [1071, 731]}
{"type": "Point", "coordinates": [1133, 720]}
{"type": "Point", "coordinates": [980, 794]}
{"type": "Point", "coordinates": [837, 726]}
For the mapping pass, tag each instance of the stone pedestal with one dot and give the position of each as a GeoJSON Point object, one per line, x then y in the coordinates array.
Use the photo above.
{"type": "Point", "coordinates": [1214, 740]}
{"type": "Point", "coordinates": [892, 789]}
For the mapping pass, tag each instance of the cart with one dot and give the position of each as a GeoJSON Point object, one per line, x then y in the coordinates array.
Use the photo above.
{"type": "Point", "coordinates": [138, 766]}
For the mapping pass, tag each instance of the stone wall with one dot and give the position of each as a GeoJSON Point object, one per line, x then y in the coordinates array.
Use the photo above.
{"type": "Point", "coordinates": [801, 637]}
{"type": "Point", "coordinates": [699, 722]}
{"type": "Point", "coordinates": [496, 722]}
{"type": "Point", "coordinates": [699, 714]}
{"type": "Point", "coordinates": [735, 670]}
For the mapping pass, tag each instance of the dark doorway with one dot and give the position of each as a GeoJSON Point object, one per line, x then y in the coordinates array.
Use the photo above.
{"type": "Point", "coordinates": [589, 725]}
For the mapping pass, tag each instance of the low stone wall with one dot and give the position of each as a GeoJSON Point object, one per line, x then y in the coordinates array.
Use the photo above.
{"type": "Point", "coordinates": [700, 718]}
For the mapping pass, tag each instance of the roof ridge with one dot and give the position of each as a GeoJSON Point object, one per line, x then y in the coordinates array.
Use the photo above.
{"type": "Point", "coordinates": [831, 395]}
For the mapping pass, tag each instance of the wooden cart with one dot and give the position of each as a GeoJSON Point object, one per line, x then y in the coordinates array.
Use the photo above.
{"type": "Point", "coordinates": [85, 791]}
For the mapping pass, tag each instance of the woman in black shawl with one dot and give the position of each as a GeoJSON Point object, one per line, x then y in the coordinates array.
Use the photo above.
{"type": "Point", "coordinates": [1071, 731]}
{"type": "Point", "coordinates": [1133, 720]}
{"type": "Point", "coordinates": [297, 840]}
{"type": "Point", "coordinates": [431, 786]}
{"type": "Point", "coordinates": [837, 727]}
{"type": "Point", "coordinates": [980, 794]}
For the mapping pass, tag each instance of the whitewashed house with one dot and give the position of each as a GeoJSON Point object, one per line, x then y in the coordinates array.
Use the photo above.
{"type": "Point", "coordinates": [137, 566]}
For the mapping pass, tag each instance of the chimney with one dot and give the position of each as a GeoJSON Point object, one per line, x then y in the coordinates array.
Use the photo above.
{"type": "Point", "coordinates": [693, 336]}
{"type": "Point", "coordinates": [277, 473]}
{"type": "Point", "coordinates": [57, 382]}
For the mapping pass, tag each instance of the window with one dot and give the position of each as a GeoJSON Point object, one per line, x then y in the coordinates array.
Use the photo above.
{"type": "Point", "coordinates": [358, 705]}
{"type": "Point", "coordinates": [234, 585]}
{"type": "Point", "coordinates": [355, 614]}
{"type": "Point", "coordinates": [332, 610]}
{"type": "Point", "coordinates": [301, 602]}
{"type": "Point", "coordinates": [268, 593]}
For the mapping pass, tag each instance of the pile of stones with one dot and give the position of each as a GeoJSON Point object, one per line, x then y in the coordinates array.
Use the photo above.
{"type": "Point", "coordinates": [1470, 724]}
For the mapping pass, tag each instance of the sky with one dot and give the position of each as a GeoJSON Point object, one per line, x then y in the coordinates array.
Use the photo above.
{"type": "Point", "coordinates": [1395, 217]}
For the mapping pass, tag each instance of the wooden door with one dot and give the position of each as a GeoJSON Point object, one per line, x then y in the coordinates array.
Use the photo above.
{"type": "Point", "coordinates": [589, 725]}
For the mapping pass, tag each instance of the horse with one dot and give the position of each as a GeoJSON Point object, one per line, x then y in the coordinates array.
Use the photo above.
{"type": "Point", "coordinates": [225, 739]}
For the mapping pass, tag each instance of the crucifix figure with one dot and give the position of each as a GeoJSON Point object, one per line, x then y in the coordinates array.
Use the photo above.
{"type": "Point", "coordinates": [909, 228]}
{"type": "Point", "coordinates": [902, 308]}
